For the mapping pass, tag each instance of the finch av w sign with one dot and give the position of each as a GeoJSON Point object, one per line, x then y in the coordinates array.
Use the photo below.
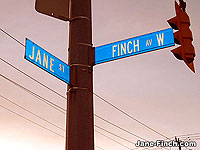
{"type": "Point", "coordinates": [134, 46]}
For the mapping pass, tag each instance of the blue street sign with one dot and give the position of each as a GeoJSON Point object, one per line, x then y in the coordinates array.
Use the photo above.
{"type": "Point", "coordinates": [133, 46]}
{"type": "Point", "coordinates": [46, 61]}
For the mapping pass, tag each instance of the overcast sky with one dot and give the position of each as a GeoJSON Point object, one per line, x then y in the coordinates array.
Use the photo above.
{"type": "Point", "coordinates": [155, 87]}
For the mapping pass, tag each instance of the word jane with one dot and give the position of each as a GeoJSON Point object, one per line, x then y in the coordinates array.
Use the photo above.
{"type": "Point", "coordinates": [39, 59]}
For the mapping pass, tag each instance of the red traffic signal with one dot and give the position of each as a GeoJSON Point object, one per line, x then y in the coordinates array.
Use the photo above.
{"type": "Point", "coordinates": [183, 37]}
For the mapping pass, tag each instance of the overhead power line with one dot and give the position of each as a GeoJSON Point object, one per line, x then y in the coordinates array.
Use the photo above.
{"type": "Point", "coordinates": [190, 137]}
{"type": "Point", "coordinates": [114, 134]}
{"type": "Point", "coordinates": [47, 121]}
{"type": "Point", "coordinates": [120, 110]}
{"type": "Point", "coordinates": [119, 127]}
{"type": "Point", "coordinates": [37, 123]}
{"type": "Point", "coordinates": [65, 110]}
{"type": "Point", "coordinates": [191, 134]}
{"type": "Point", "coordinates": [113, 139]}
{"type": "Point", "coordinates": [99, 147]}
{"type": "Point", "coordinates": [31, 78]}
{"type": "Point", "coordinates": [12, 37]}
{"type": "Point", "coordinates": [58, 126]}
{"type": "Point", "coordinates": [22, 71]}
{"type": "Point", "coordinates": [36, 95]}
{"type": "Point", "coordinates": [64, 98]}
{"type": "Point", "coordinates": [32, 121]}
{"type": "Point", "coordinates": [196, 139]}
{"type": "Point", "coordinates": [31, 113]}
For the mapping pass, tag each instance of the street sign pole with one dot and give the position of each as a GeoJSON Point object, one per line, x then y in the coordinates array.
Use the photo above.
{"type": "Point", "coordinates": [80, 124]}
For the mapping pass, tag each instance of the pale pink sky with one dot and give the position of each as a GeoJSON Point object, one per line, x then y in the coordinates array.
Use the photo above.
{"type": "Point", "coordinates": [155, 88]}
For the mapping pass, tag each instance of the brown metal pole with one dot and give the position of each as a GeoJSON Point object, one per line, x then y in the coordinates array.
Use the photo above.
{"type": "Point", "coordinates": [80, 124]}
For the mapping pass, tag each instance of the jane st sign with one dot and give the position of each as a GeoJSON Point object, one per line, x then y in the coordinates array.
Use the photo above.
{"type": "Point", "coordinates": [133, 46]}
{"type": "Point", "coordinates": [47, 61]}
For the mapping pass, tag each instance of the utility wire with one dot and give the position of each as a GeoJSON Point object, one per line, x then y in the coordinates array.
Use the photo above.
{"type": "Point", "coordinates": [112, 139]}
{"type": "Point", "coordinates": [129, 115]}
{"type": "Point", "coordinates": [99, 147]}
{"type": "Point", "coordinates": [22, 71]}
{"type": "Point", "coordinates": [56, 125]}
{"type": "Point", "coordinates": [48, 121]}
{"type": "Point", "coordinates": [185, 136]}
{"type": "Point", "coordinates": [36, 95]}
{"type": "Point", "coordinates": [119, 127]}
{"type": "Point", "coordinates": [38, 124]}
{"type": "Point", "coordinates": [31, 112]}
{"type": "Point", "coordinates": [12, 37]}
{"type": "Point", "coordinates": [191, 134]}
{"type": "Point", "coordinates": [196, 139]}
{"type": "Point", "coordinates": [114, 134]}
{"type": "Point", "coordinates": [64, 98]}
{"type": "Point", "coordinates": [44, 120]}
{"type": "Point", "coordinates": [65, 110]}
{"type": "Point", "coordinates": [31, 121]}
{"type": "Point", "coordinates": [31, 78]}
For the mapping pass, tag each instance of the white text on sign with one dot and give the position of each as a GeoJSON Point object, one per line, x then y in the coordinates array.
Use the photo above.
{"type": "Point", "coordinates": [46, 61]}
{"type": "Point", "coordinates": [130, 47]}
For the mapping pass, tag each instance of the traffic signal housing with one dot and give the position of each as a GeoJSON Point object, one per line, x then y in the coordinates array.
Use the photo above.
{"type": "Point", "coordinates": [183, 37]}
